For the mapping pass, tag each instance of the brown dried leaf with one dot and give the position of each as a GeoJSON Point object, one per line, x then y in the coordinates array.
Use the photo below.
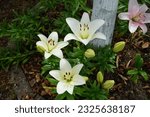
{"type": "Point", "coordinates": [127, 65]}
{"type": "Point", "coordinates": [145, 45]}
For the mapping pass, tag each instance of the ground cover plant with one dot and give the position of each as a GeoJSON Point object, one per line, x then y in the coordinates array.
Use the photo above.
{"type": "Point", "coordinates": [51, 43]}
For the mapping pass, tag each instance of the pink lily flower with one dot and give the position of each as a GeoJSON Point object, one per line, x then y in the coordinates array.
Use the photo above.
{"type": "Point", "coordinates": [136, 15]}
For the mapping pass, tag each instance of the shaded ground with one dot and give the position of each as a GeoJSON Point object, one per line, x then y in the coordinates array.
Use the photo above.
{"type": "Point", "coordinates": [6, 84]}
{"type": "Point", "coordinates": [123, 89]}
{"type": "Point", "coordinates": [7, 7]}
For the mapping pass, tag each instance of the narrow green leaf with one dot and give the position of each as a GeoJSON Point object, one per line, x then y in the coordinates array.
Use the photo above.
{"type": "Point", "coordinates": [132, 72]}
{"type": "Point", "coordinates": [144, 74]}
{"type": "Point", "coordinates": [138, 61]}
{"type": "Point", "coordinates": [61, 96]}
{"type": "Point", "coordinates": [52, 81]}
{"type": "Point", "coordinates": [70, 97]}
{"type": "Point", "coordinates": [135, 78]}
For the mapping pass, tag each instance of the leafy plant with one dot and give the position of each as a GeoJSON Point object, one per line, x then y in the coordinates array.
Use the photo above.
{"type": "Point", "coordinates": [45, 16]}
{"type": "Point", "coordinates": [105, 59]}
{"type": "Point", "coordinates": [137, 71]}
{"type": "Point", "coordinates": [93, 91]}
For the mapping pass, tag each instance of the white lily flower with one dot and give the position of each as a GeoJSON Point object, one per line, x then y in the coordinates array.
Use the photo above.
{"type": "Point", "coordinates": [84, 30]}
{"type": "Point", "coordinates": [67, 76]}
{"type": "Point", "coordinates": [50, 45]}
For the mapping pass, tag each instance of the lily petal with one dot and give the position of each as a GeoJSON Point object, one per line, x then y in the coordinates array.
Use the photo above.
{"type": "Point", "coordinates": [76, 69]}
{"type": "Point", "coordinates": [57, 52]}
{"type": "Point", "coordinates": [62, 44]}
{"type": "Point", "coordinates": [124, 16]}
{"type": "Point", "coordinates": [70, 36]}
{"type": "Point", "coordinates": [56, 74]}
{"type": "Point", "coordinates": [42, 37]}
{"type": "Point", "coordinates": [144, 28]}
{"type": "Point", "coordinates": [78, 80]}
{"type": "Point", "coordinates": [53, 36]}
{"type": "Point", "coordinates": [147, 18]}
{"type": "Point", "coordinates": [85, 41]}
{"type": "Point", "coordinates": [74, 25]}
{"type": "Point", "coordinates": [99, 35]}
{"type": "Point", "coordinates": [61, 87]}
{"type": "Point", "coordinates": [65, 65]}
{"type": "Point", "coordinates": [70, 89]}
{"type": "Point", "coordinates": [143, 8]}
{"type": "Point", "coordinates": [42, 45]}
{"type": "Point", "coordinates": [95, 25]}
{"type": "Point", "coordinates": [85, 18]}
{"type": "Point", "coordinates": [133, 7]}
{"type": "Point", "coordinates": [133, 26]}
{"type": "Point", "coordinates": [47, 55]}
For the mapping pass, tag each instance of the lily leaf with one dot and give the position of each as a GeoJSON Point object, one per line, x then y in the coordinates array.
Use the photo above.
{"type": "Point", "coordinates": [132, 72]}
{"type": "Point", "coordinates": [138, 61]}
{"type": "Point", "coordinates": [52, 81]}
{"type": "Point", "coordinates": [144, 74]}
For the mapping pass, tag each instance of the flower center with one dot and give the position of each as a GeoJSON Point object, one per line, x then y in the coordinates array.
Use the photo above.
{"type": "Point", "coordinates": [84, 31]}
{"type": "Point", "coordinates": [67, 76]}
{"type": "Point", "coordinates": [51, 44]}
{"type": "Point", "coordinates": [138, 18]}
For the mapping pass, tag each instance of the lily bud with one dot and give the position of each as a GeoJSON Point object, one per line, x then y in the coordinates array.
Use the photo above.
{"type": "Point", "coordinates": [100, 77]}
{"type": "Point", "coordinates": [119, 46]}
{"type": "Point", "coordinates": [108, 84]}
{"type": "Point", "coordinates": [40, 49]}
{"type": "Point", "coordinates": [89, 53]}
{"type": "Point", "coordinates": [85, 78]}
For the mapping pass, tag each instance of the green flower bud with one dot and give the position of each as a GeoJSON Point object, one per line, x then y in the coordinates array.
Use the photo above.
{"type": "Point", "coordinates": [85, 78]}
{"type": "Point", "coordinates": [40, 49]}
{"type": "Point", "coordinates": [89, 53]}
{"type": "Point", "coordinates": [108, 84]}
{"type": "Point", "coordinates": [119, 46]}
{"type": "Point", "coordinates": [100, 77]}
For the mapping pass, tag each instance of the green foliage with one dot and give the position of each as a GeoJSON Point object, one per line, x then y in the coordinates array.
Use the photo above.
{"type": "Point", "coordinates": [137, 71]}
{"type": "Point", "coordinates": [52, 80]}
{"type": "Point", "coordinates": [105, 59]}
{"type": "Point", "coordinates": [65, 96]}
{"type": "Point", "coordinates": [49, 64]}
{"type": "Point", "coordinates": [10, 57]}
{"type": "Point", "coordinates": [138, 61]}
{"type": "Point", "coordinates": [93, 91]}
{"type": "Point", "coordinates": [46, 16]}
{"type": "Point", "coordinates": [122, 26]}
{"type": "Point", "coordinates": [147, 2]}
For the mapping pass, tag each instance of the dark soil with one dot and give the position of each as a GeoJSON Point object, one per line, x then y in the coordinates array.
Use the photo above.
{"type": "Point", "coordinates": [124, 89]}
{"type": "Point", "coordinates": [6, 86]}
{"type": "Point", "coordinates": [7, 8]}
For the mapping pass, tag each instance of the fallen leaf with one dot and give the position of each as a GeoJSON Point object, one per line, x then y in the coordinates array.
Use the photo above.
{"type": "Point", "coordinates": [145, 45]}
